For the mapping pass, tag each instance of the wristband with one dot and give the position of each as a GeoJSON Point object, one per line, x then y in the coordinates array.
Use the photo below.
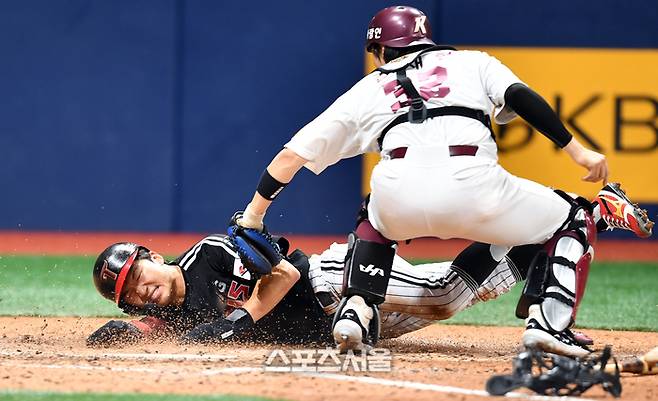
{"type": "Point", "coordinates": [269, 187]}
{"type": "Point", "coordinates": [241, 319]}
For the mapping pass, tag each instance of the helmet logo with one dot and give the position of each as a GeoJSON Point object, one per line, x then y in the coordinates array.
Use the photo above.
{"type": "Point", "coordinates": [106, 273]}
{"type": "Point", "coordinates": [420, 25]}
{"type": "Point", "coordinates": [374, 33]}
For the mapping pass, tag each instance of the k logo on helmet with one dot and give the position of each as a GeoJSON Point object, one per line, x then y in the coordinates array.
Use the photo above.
{"type": "Point", "coordinates": [420, 25]}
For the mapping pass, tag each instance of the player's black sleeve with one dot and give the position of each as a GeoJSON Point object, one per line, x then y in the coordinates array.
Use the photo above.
{"type": "Point", "coordinates": [533, 108]}
{"type": "Point", "coordinates": [215, 251]}
{"type": "Point", "coordinates": [220, 256]}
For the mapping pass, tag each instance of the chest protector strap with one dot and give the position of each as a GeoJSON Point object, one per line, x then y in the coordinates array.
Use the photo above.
{"type": "Point", "coordinates": [418, 112]}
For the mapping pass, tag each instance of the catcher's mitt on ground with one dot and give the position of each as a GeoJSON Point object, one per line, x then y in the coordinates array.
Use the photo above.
{"type": "Point", "coordinates": [550, 374]}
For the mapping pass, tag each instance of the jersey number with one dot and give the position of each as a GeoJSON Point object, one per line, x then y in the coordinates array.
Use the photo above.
{"type": "Point", "coordinates": [429, 86]}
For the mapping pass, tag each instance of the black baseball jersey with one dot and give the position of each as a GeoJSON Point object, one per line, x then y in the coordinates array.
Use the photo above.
{"type": "Point", "coordinates": [299, 317]}
{"type": "Point", "coordinates": [217, 282]}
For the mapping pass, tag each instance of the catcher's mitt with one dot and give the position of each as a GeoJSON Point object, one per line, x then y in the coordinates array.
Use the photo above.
{"type": "Point", "coordinates": [556, 375]}
{"type": "Point", "coordinates": [258, 250]}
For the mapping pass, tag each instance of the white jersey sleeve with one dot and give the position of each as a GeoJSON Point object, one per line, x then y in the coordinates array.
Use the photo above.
{"type": "Point", "coordinates": [337, 133]}
{"type": "Point", "coordinates": [496, 78]}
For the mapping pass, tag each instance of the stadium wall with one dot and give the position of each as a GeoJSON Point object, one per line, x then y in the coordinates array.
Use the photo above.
{"type": "Point", "coordinates": [159, 115]}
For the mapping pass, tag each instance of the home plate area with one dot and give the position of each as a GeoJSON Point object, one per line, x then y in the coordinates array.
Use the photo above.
{"type": "Point", "coordinates": [438, 362]}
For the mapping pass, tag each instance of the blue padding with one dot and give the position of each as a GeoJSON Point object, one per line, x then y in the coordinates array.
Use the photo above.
{"type": "Point", "coordinates": [556, 23]}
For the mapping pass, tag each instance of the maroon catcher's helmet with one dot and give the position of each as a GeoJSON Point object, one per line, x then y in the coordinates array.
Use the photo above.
{"type": "Point", "coordinates": [399, 26]}
{"type": "Point", "coordinates": [112, 267]}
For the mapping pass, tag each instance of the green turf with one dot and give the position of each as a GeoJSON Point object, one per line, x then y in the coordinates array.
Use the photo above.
{"type": "Point", "coordinates": [39, 396]}
{"type": "Point", "coordinates": [50, 286]}
{"type": "Point", "coordinates": [619, 295]}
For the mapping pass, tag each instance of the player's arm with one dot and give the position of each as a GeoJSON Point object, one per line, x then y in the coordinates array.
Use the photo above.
{"type": "Point", "coordinates": [530, 106]}
{"type": "Point", "coordinates": [121, 332]}
{"type": "Point", "coordinates": [271, 289]}
{"type": "Point", "coordinates": [268, 292]}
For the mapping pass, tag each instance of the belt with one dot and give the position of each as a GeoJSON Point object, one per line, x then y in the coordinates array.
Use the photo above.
{"type": "Point", "coordinates": [455, 150]}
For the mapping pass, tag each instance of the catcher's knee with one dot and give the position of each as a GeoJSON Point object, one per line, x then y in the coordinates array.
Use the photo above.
{"type": "Point", "coordinates": [368, 268]}
{"type": "Point", "coordinates": [558, 274]}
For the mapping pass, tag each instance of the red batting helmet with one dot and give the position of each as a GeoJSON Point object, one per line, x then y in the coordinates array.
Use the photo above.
{"type": "Point", "coordinates": [399, 26]}
{"type": "Point", "coordinates": [112, 267]}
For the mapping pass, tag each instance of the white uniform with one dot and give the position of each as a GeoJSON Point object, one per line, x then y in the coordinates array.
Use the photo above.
{"type": "Point", "coordinates": [429, 193]}
{"type": "Point", "coordinates": [417, 295]}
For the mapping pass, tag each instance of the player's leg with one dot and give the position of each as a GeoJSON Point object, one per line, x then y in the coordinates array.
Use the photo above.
{"type": "Point", "coordinates": [396, 324]}
{"type": "Point", "coordinates": [437, 291]}
{"type": "Point", "coordinates": [465, 199]}
{"type": "Point", "coordinates": [505, 210]}
{"type": "Point", "coordinates": [368, 266]}
{"type": "Point", "coordinates": [421, 294]}
{"type": "Point", "coordinates": [556, 283]}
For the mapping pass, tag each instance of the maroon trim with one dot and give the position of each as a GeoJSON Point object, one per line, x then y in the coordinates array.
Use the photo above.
{"type": "Point", "coordinates": [455, 150]}
{"type": "Point", "coordinates": [462, 150]}
{"type": "Point", "coordinates": [398, 153]}
{"type": "Point", "coordinates": [367, 232]}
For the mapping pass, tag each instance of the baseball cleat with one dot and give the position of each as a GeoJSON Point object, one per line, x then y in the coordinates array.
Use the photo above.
{"type": "Point", "coordinates": [350, 327]}
{"type": "Point", "coordinates": [538, 336]}
{"type": "Point", "coordinates": [581, 338]}
{"type": "Point", "coordinates": [618, 211]}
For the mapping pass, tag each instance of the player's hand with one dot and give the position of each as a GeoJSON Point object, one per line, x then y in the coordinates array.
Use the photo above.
{"type": "Point", "coordinates": [248, 219]}
{"type": "Point", "coordinates": [220, 330]}
{"type": "Point", "coordinates": [114, 332]}
{"type": "Point", "coordinates": [595, 163]}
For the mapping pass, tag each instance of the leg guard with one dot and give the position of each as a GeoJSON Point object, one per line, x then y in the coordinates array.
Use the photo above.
{"type": "Point", "coordinates": [535, 284]}
{"type": "Point", "coordinates": [556, 284]}
{"type": "Point", "coordinates": [368, 268]}
{"type": "Point", "coordinates": [557, 277]}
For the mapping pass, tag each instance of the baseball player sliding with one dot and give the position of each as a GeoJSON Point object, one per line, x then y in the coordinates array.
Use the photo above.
{"type": "Point", "coordinates": [207, 292]}
{"type": "Point", "coordinates": [427, 110]}
{"type": "Point", "coordinates": [211, 294]}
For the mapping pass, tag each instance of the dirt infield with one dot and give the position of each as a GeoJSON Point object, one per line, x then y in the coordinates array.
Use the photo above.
{"type": "Point", "coordinates": [438, 362]}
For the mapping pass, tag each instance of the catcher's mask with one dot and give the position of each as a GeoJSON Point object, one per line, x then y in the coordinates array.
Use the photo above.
{"type": "Point", "coordinates": [112, 268]}
{"type": "Point", "coordinates": [399, 27]}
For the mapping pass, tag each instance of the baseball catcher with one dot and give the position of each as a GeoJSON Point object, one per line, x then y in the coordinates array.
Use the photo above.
{"type": "Point", "coordinates": [427, 109]}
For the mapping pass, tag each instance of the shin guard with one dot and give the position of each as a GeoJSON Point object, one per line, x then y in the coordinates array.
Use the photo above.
{"type": "Point", "coordinates": [558, 274]}
{"type": "Point", "coordinates": [368, 268]}
{"type": "Point", "coordinates": [570, 253]}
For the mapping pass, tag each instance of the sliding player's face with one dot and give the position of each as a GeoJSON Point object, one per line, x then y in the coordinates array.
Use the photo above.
{"type": "Point", "coordinates": [151, 281]}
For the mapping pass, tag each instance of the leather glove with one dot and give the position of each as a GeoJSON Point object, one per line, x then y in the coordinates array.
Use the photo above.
{"type": "Point", "coordinates": [220, 330]}
{"type": "Point", "coordinates": [115, 332]}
